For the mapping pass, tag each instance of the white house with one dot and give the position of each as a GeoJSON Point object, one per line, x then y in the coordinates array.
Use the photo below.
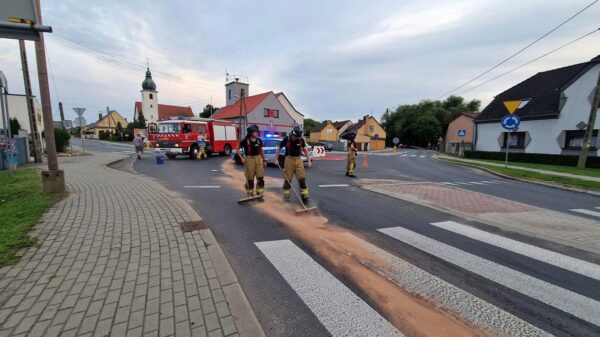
{"type": "Point", "coordinates": [17, 108]}
{"type": "Point", "coordinates": [554, 120]}
{"type": "Point", "coordinates": [295, 114]}
{"type": "Point", "coordinates": [270, 111]}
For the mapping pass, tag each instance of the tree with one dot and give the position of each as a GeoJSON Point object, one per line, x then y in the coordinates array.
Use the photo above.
{"type": "Point", "coordinates": [422, 123]}
{"type": "Point", "coordinates": [309, 125]}
{"type": "Point", "coordinates": [208, 111]}
{"type": "Point", "coordinates": [15, 126]}
{"type": "Point", "coordinates": [141, 121]}
{"type": "Point", "coordinates": [61, 139]}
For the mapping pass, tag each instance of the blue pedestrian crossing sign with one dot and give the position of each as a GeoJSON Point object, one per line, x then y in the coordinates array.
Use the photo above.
{"type": "Point", "coordinates": [462, 132]}
{"type": "Point", "coordinates": [510, 122]}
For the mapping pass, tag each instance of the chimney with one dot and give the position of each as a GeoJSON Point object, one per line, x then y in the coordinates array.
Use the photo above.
{"type": "Point", "coordinates": [365, 118]}
{"type": "Point", "coordinates": [99, 115]}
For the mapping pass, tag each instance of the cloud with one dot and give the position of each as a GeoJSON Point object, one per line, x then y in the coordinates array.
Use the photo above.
{"type": "Point", "coordinates": [333, 61]}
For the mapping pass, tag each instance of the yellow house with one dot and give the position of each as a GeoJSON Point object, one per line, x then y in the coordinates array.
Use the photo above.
{"type": "Point", "coordinates": [107, 123]}
{"type": "Point", "coordinates": [370, 135]}
{"type": "Point", "coordinates": [326, 132]}
{"type": "Point", "coordinates": [329, 131]}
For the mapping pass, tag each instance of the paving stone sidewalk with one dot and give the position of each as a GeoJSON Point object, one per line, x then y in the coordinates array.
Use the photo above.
{"type": "Point", "coordinates": [112, 260]}
{"type": "Point", "coordinates": [562, 228]}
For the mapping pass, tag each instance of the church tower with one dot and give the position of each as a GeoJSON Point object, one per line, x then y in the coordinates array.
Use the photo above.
{"type": "Point", "coordinates": [149, 99]}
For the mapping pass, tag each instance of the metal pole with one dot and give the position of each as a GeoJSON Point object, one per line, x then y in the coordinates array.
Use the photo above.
{"type": "Point", "coordinates": [507, 145]}
{"type": "Point", "coordinates": [5, 115]}
{"type": "Point", "coordinates": [35, 135]}
{"type": "Point", "coordinates": [81, 135]}
{"type": "Point", "coordinates": [589, 131]}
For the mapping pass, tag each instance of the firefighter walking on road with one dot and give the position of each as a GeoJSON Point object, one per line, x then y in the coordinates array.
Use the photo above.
{"type": "Point", "coordinates": [351, 165]}
{"type": "Point", "coordinates": [294, 146]}
{"type": "Point", "coordinates": [253, 160]}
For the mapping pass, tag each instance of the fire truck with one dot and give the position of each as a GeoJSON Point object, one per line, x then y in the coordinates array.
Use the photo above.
{"type": "Point", "coordinates": [179, 136]}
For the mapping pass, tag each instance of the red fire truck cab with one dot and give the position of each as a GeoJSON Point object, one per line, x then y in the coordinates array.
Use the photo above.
{"type": "Point", "coordinates": [179, 136]}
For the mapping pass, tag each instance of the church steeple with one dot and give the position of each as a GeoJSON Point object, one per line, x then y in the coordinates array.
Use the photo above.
{"type": "Point", "coordinates": [148, 83]}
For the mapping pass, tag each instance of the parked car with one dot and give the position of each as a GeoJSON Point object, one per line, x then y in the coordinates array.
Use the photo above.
{"type": "Point", "coordinates": [328, 147]}
{"type": "Point", "coordinates": [270, 145]}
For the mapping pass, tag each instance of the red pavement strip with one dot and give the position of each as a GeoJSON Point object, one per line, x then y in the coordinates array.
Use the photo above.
{"type": "Point", "coordinates": [453, 198]}
{"type": "Point", "coordinates": [330, 157]}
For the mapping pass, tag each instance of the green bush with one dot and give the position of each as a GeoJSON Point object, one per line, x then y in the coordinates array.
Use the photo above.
{"type": "Point", "coordinates": [103, 135]}
{"type": "Point", "coordinates": [61, 139]}
{"type": "Point", "coordinates": [537, 158]}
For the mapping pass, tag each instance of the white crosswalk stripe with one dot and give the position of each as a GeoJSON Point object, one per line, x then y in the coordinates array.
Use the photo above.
{"type": "Point", "coordinates": [423, 284]}
{"type": "Point", "coordinates": [568, 301]}
{"type": "Point", "coordinates": [586, 211]}
{"type": "Point", "coordinates": [540, 254]}
{"type": "Point", "coordinates": [340, 311]}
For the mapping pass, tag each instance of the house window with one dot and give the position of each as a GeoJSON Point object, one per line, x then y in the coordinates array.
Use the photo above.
{"type": "Point", "coordinates": [151, 97]}
{"type": "Point", "coordinates": [229, 94]}
{"type": "Point", "coordinates": [242, 92]}
{"type": "Point", "coordinates": [516, 140]}
{"type": "Point", "coordinates": [271, 113]}
{"type": "Point", "coordinates": [574, 139]}
{"type": "Point", "coordinates": [371, 128]}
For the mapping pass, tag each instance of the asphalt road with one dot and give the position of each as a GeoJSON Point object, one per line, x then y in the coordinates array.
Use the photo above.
{"type": "Point", "coordinates": [528, 289]}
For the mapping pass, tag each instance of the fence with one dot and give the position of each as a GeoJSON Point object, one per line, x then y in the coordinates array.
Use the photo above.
{"type": "Point", "coordinates": [457, 149]}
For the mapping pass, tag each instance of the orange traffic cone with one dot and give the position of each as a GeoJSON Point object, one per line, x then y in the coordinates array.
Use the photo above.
{"type": "Point", "coordinates": [365, 164]}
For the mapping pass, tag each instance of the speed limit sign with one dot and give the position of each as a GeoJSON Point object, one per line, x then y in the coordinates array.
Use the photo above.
{"type": "Point", "coordinates": [396, 140]}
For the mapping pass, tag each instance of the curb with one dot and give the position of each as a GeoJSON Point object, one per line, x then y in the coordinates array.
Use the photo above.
{"type": "Point", "coordinates": [543, 183]}
{"type": "Point", "coordinates": [243, 315]}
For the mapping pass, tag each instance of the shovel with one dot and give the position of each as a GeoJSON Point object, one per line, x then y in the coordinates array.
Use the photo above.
{"type": "Point", "coordinates": [305, 210]}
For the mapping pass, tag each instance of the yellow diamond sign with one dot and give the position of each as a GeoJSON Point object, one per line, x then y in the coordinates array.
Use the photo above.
{"type": "Point", "coordinates": [512, 106]}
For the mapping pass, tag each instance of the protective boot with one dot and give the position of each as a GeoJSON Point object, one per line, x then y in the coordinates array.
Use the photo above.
{"type": "Point", "coordinates": [260, 185]}
{"type": "Point", "coordinates": [303, 191]}
{"type": "Point", "coordinates": [250, 188]}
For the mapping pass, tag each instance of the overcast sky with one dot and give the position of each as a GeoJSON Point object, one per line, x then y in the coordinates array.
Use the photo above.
{"type": "Point", "coordinates": [333, 60]}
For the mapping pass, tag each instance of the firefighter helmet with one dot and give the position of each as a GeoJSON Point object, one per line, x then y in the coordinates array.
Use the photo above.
{"type": "Point", "coordinates": [296, 131]}
{"type": "Point", "coordinates": [251, 129]}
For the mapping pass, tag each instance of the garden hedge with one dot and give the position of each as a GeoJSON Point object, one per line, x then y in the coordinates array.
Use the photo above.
{"type": "Point", "coordinates": [536, 158]}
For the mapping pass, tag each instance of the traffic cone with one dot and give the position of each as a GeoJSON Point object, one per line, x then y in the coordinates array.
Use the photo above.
{"type": "Point", "coordinates": [365, 164]}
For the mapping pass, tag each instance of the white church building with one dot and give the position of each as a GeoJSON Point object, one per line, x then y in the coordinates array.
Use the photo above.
{"type": "Point", "coordinates": [151, 109]}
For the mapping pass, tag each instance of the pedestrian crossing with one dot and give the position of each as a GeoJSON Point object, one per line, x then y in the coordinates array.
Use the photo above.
{"type": "Point", "coordinates": [587, 211]}
{"type": "Point", "coordinates": [340, 311]}
{"type": "Point", "coordinates": [344, 313]}
{"type": "Point", "coordinates": [474, 183]}
{"type": "Point", "coordinates": [412, 155]}
{"type": "Point", "coordinates": [565, 300]}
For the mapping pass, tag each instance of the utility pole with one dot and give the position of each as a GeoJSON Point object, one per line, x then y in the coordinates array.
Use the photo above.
{"type": "Point", "coordinates": [53, 180]}
{"type": "Point", "coordinates": [35, 135]}
{"type": "Point", "coordinates": [589, 131]}
{"type": "Point", "coordinates": [62, 116]}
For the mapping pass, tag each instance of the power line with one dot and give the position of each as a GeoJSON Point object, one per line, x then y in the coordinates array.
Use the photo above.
{"type": "Point", "coordinates": [52, 76]}
{"type": "Point", "coordinates": [124, 61]}
{"type": "Point", "coordinates": [535, 59]}
{"type": "Point", "coordinates": [521, 50]}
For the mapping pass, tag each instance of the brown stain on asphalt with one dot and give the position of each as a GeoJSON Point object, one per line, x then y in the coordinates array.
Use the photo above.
{"type": "Point", "coordinates": [412, 315]}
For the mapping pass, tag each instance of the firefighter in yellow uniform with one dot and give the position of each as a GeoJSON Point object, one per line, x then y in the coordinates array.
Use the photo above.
{"type": "Point", "coordinates": [294, 146]}
{"type": "Point", "coordinates": [253, 160]}
{"type": "Point", "coordinates": [351, 165]}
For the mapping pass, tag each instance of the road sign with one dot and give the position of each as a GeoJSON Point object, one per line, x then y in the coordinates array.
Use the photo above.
{"type": "Point", "coordinates": [18, 20]}
{"type": "Point", "coordinates": [512, 106]}
{"type": "Point", "coordinates": [462, 132]}
{"type": "Point", "coordinates": [510, 122]}
{"type": "Point", "coordinates": [79, 112]}
{"type": "Point", "coordinates": [396, 140]}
